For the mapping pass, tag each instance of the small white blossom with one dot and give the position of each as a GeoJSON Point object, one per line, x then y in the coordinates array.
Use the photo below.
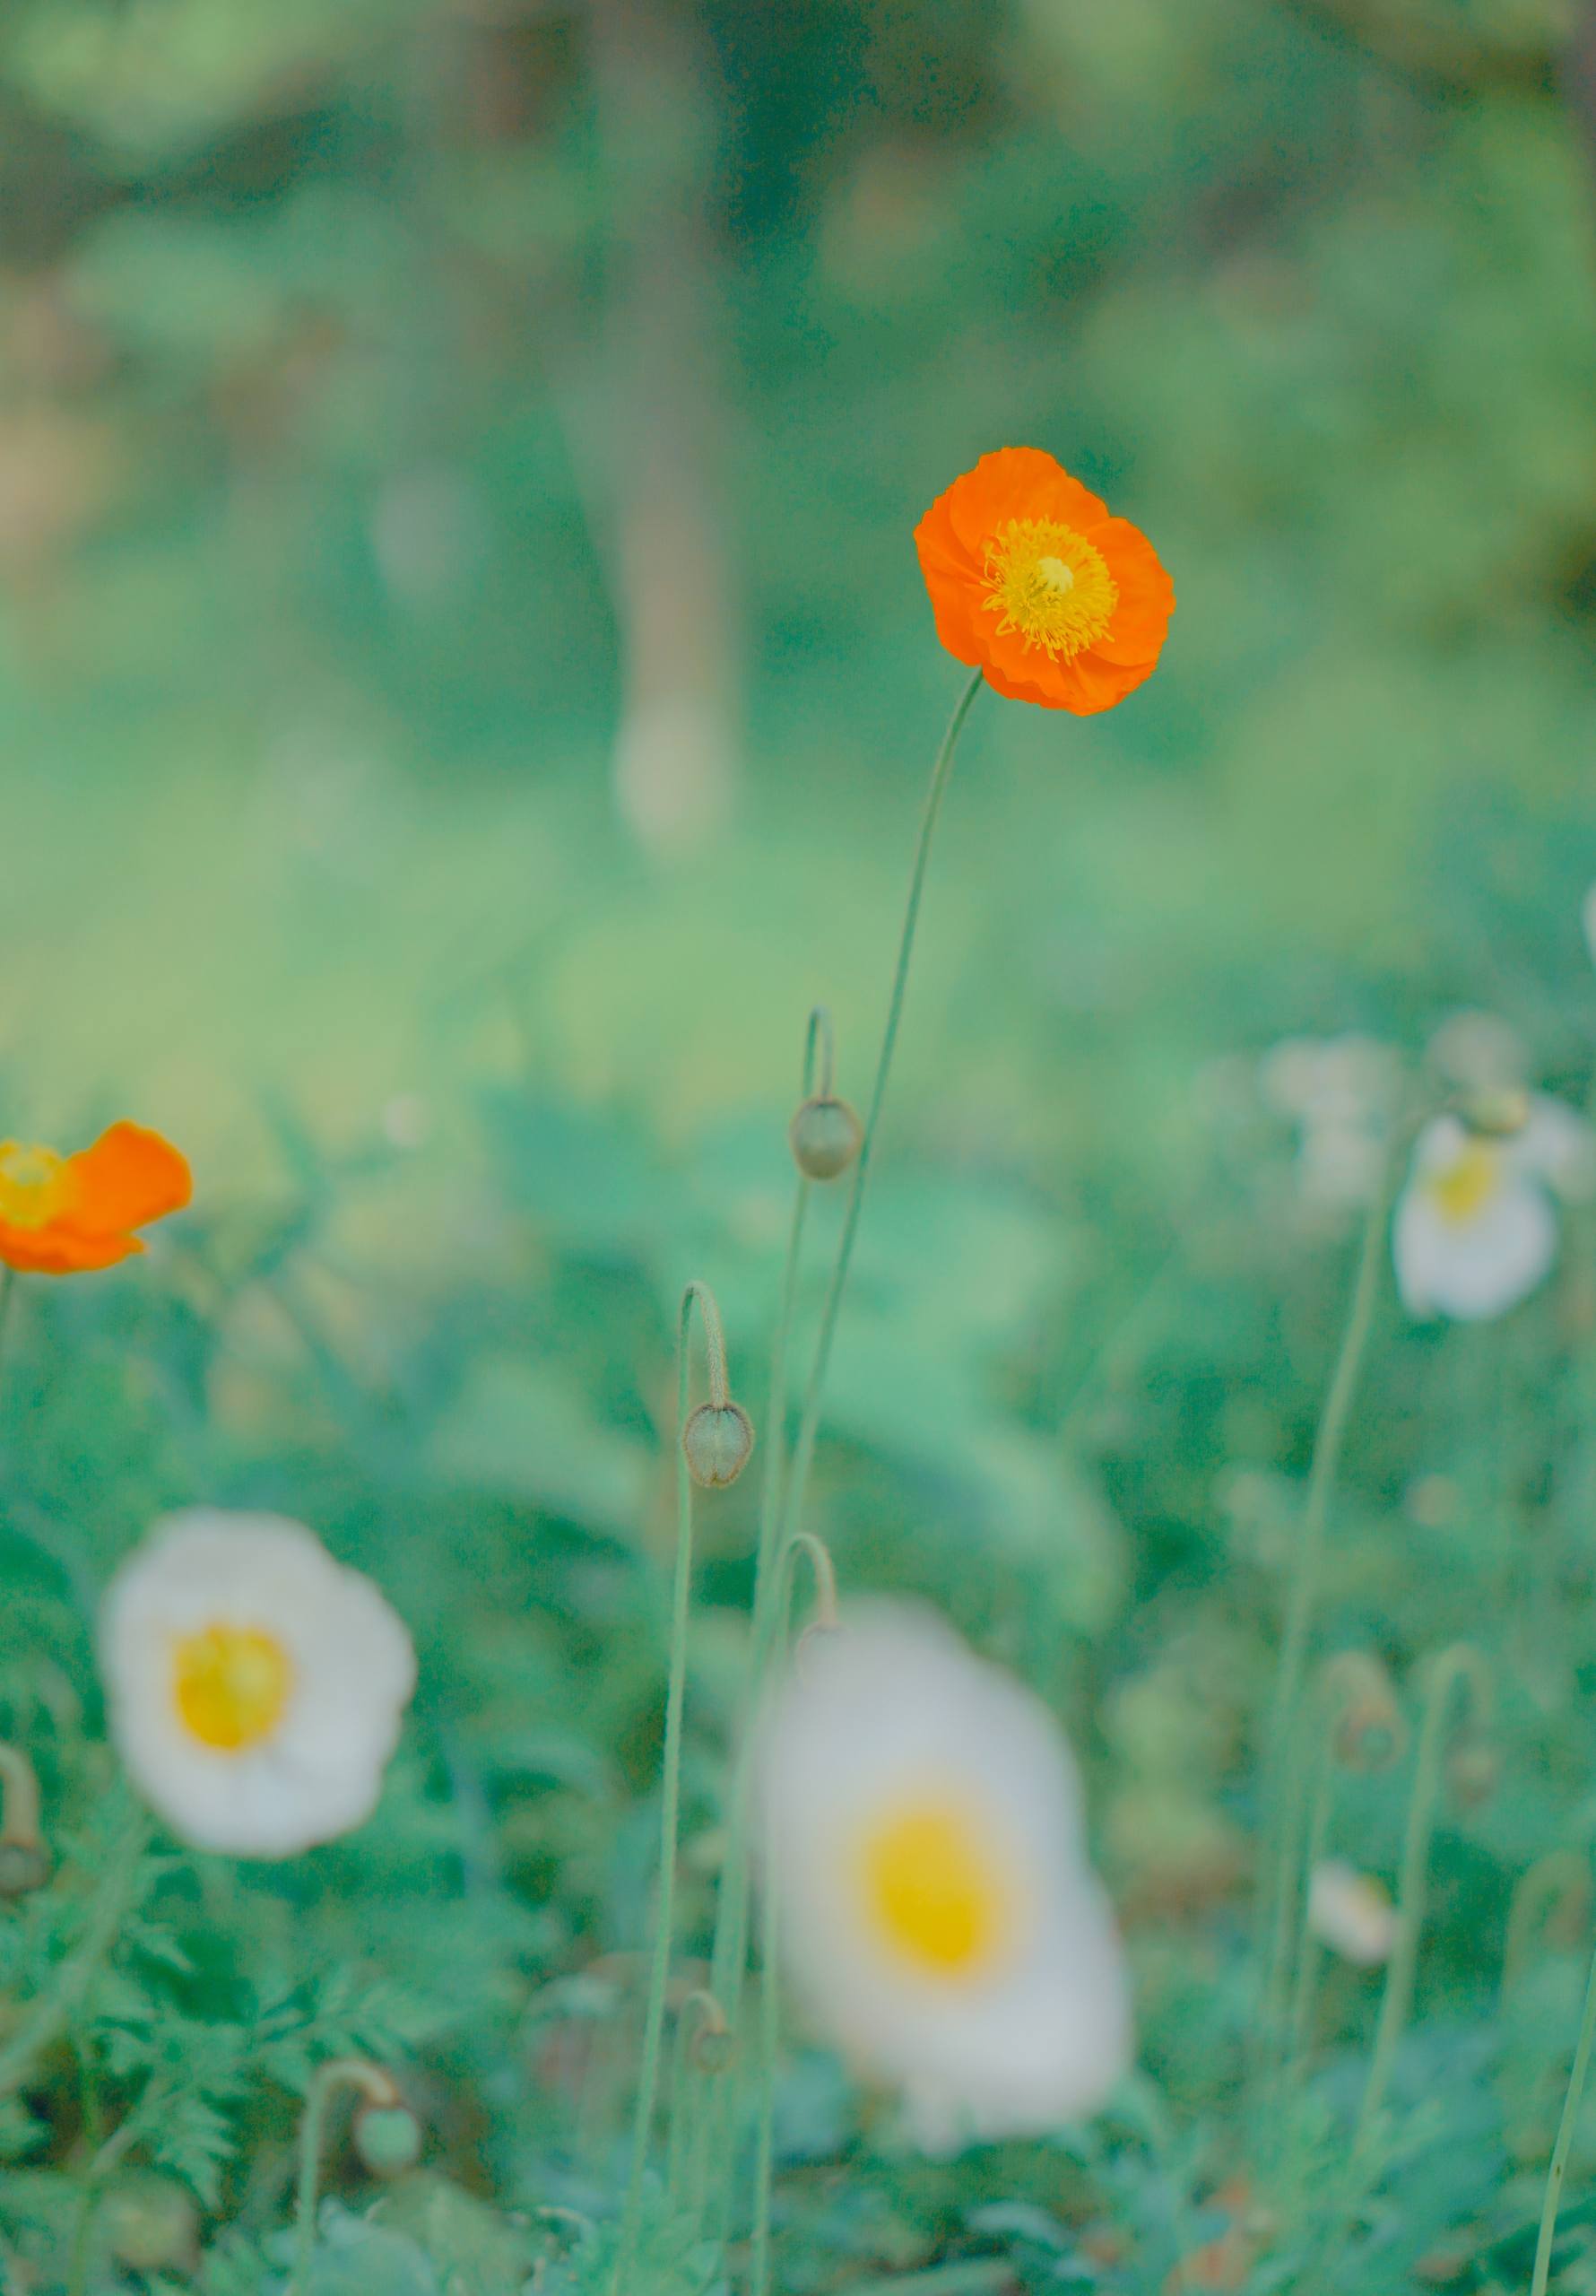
{"type": "Point", "coordinates": [1475, 1231]}
{"type": "Point", "coordinates": [256, 1686]}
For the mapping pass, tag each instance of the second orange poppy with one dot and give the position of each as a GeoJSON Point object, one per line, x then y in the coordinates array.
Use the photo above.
{"type": "Point", "coordinates": [64, 1215]}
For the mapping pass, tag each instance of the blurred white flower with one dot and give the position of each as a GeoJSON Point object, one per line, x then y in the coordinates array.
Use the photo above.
{"type": "Point", "coordinates": [1339, 1092]}
{"type": "Point", "coordinates": [254, 1686]}
{"type": "Point", "coordinates": [1352, 1913]}
{"type": "Point", "coordinates": [938, 1914]}
{"type": "Point", "coordinates": [1475, 1231]}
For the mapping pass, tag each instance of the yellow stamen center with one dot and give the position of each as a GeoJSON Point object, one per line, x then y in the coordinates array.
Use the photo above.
{"type": "Point", "coordinates": [230, 1685]}
{"type": "Point", "coordinates": [1460, 1190]}
{"type": "Point", "coordinates": [934, 1895]}
{"type": "Point", "coordinates": [27, 1190]}
{"type": "Point", "coordinates": [1049, 584]}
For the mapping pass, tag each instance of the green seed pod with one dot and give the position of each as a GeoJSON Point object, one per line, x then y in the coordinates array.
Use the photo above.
{"type": "Point", "coordinates": [1474, 1772]}
{"type": "Point", "coordinates": [713, 2050]}
{"type": "Point", "coordinates": [825, 1136]}
{"type": "Point", "coordinates": [24, 1865]}
{"type": "Point", "coordinates": [150, 2224]}
{"type": "Point", "coordinates": [717, 1439]}
{"type": "Point", "coordinates": [387, 2139]}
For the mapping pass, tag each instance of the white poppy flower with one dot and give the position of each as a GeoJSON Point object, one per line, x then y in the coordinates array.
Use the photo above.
{"type": "Point", "coordinates": [1352, 1913]}
{"type": "Point", "coordinates": [923, 1838]}
{"type": "Point", "coordinates": [254, 1686]}
{"type": "Point", "coordinates": [1474, 1230]}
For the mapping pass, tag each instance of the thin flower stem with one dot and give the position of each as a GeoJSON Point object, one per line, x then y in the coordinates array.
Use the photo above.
{"type": "Point", "coordinates": [1565, 2128]}
{"type": "Point", "coordinates": [1462, 1665]}
{"type": "Point", "coordinates": [697, 1295]}
{"type": "Point", "coordinates": [1307, 1951]}
{"type": "Point", "coordinates": [21, 1829]}
{"type": "Point", "coordinates": [820, 1059]}
{"type": "Point", "coordinates": [121, 2141]}
{"type": "Point", "coordinates": [809, 1425]}
{"type": "Point", "coordinates": [825, 1574]}
{"type": "Point", "coordinates": [8, 1286]}
{"type": "Point", "coordinates": [1303, 1597]}
{"type": "Point", "coordinates": [769, 2019]}
{"type": "Point", "coordinates": [730, 1939]}
{"type": "Point", "coordinates": [769, 2039]}
{"type": "Point", "coordinates": [337, 2073]}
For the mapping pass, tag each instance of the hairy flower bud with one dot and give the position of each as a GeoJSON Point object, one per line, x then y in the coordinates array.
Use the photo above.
{"type": "Point", "coordinates": [24, 1865]}
{"type": "Point", "coordinates": [825, 1136]}
{"type": "Point", "coordinates": [1474, 1772]}
{"type": "Point", "coordinates": [717, 1439]}
{"type": "Point", "coordinates": [150, 2224]}
{"type": "Point", "coordinates": [1370, 1731]}
{"type": "Point", "coordinates": [1499, 1115]}
{"type": "Point", "coordinates": [387, 2139]}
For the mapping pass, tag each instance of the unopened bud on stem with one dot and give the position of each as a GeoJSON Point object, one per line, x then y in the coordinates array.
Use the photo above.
{"type": "Point", "coordinates": [824, 1137]}
{"type": "Point", "coordinates": [718, 1438]}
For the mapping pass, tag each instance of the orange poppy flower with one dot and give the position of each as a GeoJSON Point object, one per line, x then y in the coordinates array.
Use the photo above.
{"type": "Point", "coordinates": [60, 1215]}
{"type": "Point", "coordinates": [1033, 583]}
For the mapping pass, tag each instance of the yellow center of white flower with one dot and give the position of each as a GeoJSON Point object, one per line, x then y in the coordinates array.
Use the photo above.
{"type": "Point", "coordinates": [1049, 584]}
{"type": "Point", "coordinates": [27, 1184]}
{"type": "Point", "coordinates": [1461, 1189]}
{"type": "Point", "coordinates": [934, 1891]}
{"type": "Point", "coordinates": [230, 1685]}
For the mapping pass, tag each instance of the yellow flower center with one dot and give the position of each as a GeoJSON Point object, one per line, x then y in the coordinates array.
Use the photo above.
{"type": "Point", "coordinates": [27, 1190]}
{"type": "Point", "coordinates": [230, 1684]}
{"type": "Point", "coordinates": [1460, 1190]}
{"type": "Point", "coordinates": [933, 1892]}
{"type": "Point", "coordinates": [1051, 585]}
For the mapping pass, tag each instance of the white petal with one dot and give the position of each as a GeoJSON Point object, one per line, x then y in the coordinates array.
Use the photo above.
{"type": "Point", "coordinates": [1473, 1269]}
{"type": "Point", "coordinates": [320, 1771]}
{"type": "Point", "coordinates": [892, 1707]}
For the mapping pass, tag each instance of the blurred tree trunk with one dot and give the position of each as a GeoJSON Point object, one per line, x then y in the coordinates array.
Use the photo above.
{"type": "Point", "coordinates": [660, 457]}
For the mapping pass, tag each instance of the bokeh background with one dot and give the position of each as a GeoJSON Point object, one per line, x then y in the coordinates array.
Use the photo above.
{"type": "Point", "coordinates": [456, 471]}
{"type": "Point", "coordinates": [467, 694]}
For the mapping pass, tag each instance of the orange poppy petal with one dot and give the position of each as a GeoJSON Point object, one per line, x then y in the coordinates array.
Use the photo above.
{"type": "Point", "coordinates": [1084, 685]}
{"type": "Point", "coordinates": [1146, 594]}
{"type": "Point", "coordinates": [952, 581]}
{"type": "Point", "coordinates": [1018, 483]}
{"type": "Point", "coordinates": [57, 1251]}
{"type": "Point", "coordinates": [128, 1179]}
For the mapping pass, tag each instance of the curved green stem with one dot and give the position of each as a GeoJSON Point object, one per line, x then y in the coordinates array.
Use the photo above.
{"type": "Point", "coordinates": [1462, 1665]}
{"type": "Point", "coordinates": [1301, 1600]}
{"type": "Point", "coordinates": [1565, 2128]}
{"type": "Point", "coordinates": [699, 1296]}
{"type": "Point", "coordinates": [769, 2037]}
{"type": "Point", "coordinates": [809, 1425]}
{"type": "Point", "coordinates": [1557, 1883]}
{"type": "Point", "coordinates": [731, 1940]}
{"type": "Point", "coordinates": [337, 2073]}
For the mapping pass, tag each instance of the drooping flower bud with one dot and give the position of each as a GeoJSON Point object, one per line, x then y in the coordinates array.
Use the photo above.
{"type": "Point", "coordinates": [717, 1439]}
{"type": "Point", "coordinates": [825, 1136]}
{"type": "Point", "coordinates": [24, 1865]}
{"type": "Point", "coordinates": [149, 2223]}
{"type": "Point", "coordinates": [387, 2139]}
